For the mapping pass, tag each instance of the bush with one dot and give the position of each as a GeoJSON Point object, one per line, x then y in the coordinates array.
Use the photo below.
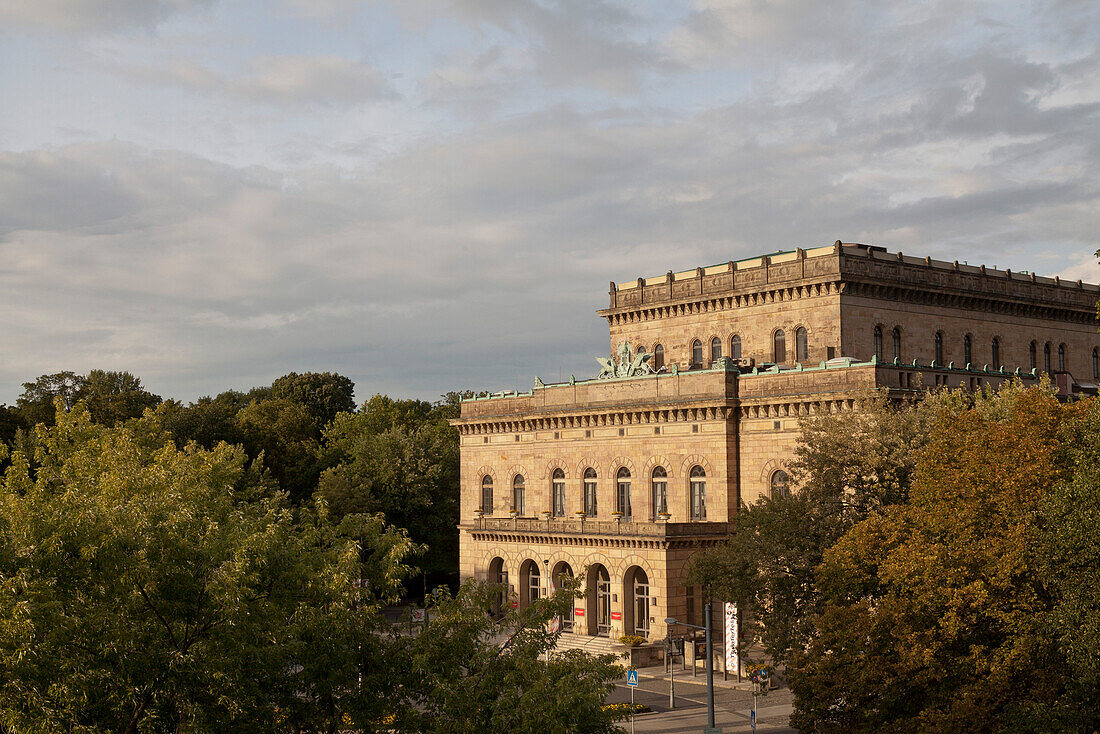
{"type": "Point", "coordinates": [632, 640]}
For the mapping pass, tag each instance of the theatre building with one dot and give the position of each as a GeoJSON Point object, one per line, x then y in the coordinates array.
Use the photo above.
{"type": "Point", "coordinates": [622, 477]}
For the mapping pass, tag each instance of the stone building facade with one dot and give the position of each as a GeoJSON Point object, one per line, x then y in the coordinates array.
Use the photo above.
{"type": "Point", "coordinates": [622, 478]}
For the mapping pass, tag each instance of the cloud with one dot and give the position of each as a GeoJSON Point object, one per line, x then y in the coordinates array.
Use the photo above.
{"type": "Point", "coordinates": [93, 15]}
{"type": "Point", "coordinates": [281, 80]}
{"type": "Point", "coordinates": [546, 148]}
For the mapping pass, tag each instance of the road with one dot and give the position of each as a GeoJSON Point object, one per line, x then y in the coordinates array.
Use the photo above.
{"type": "Point", "coordinates": [731, 706]}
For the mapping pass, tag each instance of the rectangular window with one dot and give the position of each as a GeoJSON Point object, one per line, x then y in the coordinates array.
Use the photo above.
{"type": "Point", "coordinates": [559, 499]}
{"type": "Point", "coordinates": [590, 508]}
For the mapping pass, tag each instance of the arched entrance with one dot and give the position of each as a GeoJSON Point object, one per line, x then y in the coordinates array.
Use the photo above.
{"type": "Point", "coordinates": [636, 602]}
{"type": "Point", "coordinates": [530, 583]}
{"type": "Point", "coordinates": [564, 572]}
{"type": "Point", "coordinates": [599, 600]}
{"type": "Point", "coordinates": [497, 575]}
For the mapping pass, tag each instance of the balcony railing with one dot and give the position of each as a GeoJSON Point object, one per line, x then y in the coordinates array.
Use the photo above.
{"type": "Point", "coordinates": [591, 526]}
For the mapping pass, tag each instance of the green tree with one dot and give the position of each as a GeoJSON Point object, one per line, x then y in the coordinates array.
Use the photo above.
{"type": "Point", "coordinates": [937, 612]}
{"type": "Point", "coordinates": [323, 394]}
{"type": "Point", "coordinates": [207, 421]}
{"type": "Point", "coordinates": [466, 673]}
{"type": "Point", "coordinates": [145, 588]}
{"type": "Point", "coordinates": [398, 458]}
{"type": "Point", "coordinates": [286, 437]}
{"type": "Point", "coordinates": [37, 400]}
{"type": "Point", "coordinates": [112, 397]}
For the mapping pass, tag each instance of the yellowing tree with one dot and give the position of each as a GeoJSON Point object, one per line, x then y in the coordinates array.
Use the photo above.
{"type": "Point", "coordinates": [938, 612]}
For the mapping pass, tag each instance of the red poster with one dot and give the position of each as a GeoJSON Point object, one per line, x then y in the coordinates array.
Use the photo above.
{"type": "Point", "coordinates": [515, 604]}
{"type": "Point", "coordinates": [616, 615]}
{"type": "Point", "coordinates": [578, 612]}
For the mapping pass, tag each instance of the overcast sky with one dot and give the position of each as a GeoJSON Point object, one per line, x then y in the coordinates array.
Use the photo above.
{"type": "Point", "coordinates": [433, 195]}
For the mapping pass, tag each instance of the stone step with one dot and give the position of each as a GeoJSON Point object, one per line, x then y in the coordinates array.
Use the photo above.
{"type": "Point", "coordinates": [592, 645]}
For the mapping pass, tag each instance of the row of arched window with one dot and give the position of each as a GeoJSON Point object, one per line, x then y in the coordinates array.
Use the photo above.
{"type": "Point", "coordinates": [699, 353]}
{"type": "Point", "coordinates": [994, 351]}
{"type": "Point", "coordinates": [589, 497]}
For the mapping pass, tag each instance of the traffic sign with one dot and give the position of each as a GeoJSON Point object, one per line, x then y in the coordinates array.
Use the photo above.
{"type": "Point", "coordinates": [632, 677]}
{"type": "Point", "coordinates": [752, 719]}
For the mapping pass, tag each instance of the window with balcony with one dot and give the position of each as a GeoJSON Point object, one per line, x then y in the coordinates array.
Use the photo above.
{"type": "Point", "coordinates": [590, 507]}
{"type": "Point", "coordinates": [660, 492]}
{"type": "Point", "coordinates": [735, 346]}
{"type": "Point", "coordinates": [697, 353]}
{"type": "Point", "coordinates": [622, 494]}
{"type": "Point", "coordinates": [558, 487]}
{"type": "Point", "coordinates": [698, 480]}
{"type": "Point", "coordinates": [518, 495]}
{"type": "Point", "coordinates": [487, 494]}
{"type": "Point", "coordinates": [801, 345]}
{"type": "Point", "coordinates": [715, 350]}
{"type": "Point", "coordinates": [779, 347]}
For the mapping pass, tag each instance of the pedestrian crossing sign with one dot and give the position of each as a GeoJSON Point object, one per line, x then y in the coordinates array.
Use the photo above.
{"type": "Point", "coordinates": [632, 678]}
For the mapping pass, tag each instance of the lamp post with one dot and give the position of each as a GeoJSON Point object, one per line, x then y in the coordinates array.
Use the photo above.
{"type": "Point", "coordinates": [710, 728]}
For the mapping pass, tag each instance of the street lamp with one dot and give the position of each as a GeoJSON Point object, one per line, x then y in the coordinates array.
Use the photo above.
{"type": "Point", "coordinates": [710, 728]}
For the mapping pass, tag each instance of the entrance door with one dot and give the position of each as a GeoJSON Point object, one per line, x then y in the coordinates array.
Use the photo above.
{"type": "Point", "coordinates": [564, 574]}
{"type": "Point", "coordinates": [641, 606]}
{"type": "Point", "coordinates": [603, 604]}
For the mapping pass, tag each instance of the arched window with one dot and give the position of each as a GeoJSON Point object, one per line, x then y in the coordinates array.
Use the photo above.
{"type": "Point", "coordinates": [939, 348]}
{"type": "Point", "coordinates": [698, 493]}
{"type": "Point", "coordinates": [640, 349]}
{"type": "Point", "coordinates": [779, 347]}
{"type": "Point", "coordinates": [801, 345]}
{"type": "Point", "coordinates": [1095, 363]}
{"type": "Point", "coordinates": [968, 350]}
{"type": "Point", "coordinates": [996, 348]}
{"type": "Point", "coordinates": [1033, 353]}
{"type": "Point", "coordinates": [781, 484]}
{"type": "Point", "coordinates": [878, 343]}
{"type": "Point", "coordinates": [559, 493]}
{"type": "Point", "coordinates": [897, 343]}
{"type": "Point", "coordinates": [1061, 357]}
{"type": "Point", "coordinates": [658, 357]}
{"type": "Point", "coordinates": [735, 346]}
{"type": "Point", "coordinates": [697, 353]}
{"type": "Point", "coordinates": [1046, 358]}
{"type": "Point", "coordinates": [715, 349]}
{"type": "Point", "coordinates": [517, 494]}
{"type": "Point", "coordinates": [623, 492]}
{"type": "Point", "coordinates": [487, 494]}
{"type": "Point", "coordinates": [660, 492]}
{"type": "Point", "coordinates": [590, 507]}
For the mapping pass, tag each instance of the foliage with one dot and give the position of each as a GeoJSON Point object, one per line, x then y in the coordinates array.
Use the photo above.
{"type": "Point", "coordinates": [110, 397]}
{"type": "Point", "coordinates": [322, 394]}
{"type": "Point", "coordinates": [462, 679]}
{"type": "Point", "coordinates": [938, 613]}
{"type": "Point", "coordinates": [207, 421]}
{"type": "Point", "coordinates": [145, 588]}
{"type": "Point", "coordinates": [399, 458]}
{"type": "Point", "coordinates": [286, 438]}
{"type": "Point", "coordinates": [847, 465]}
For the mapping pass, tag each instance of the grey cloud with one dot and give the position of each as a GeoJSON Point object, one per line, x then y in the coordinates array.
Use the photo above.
{"type": "Point", "coordinates": [98, 16]}
{"type": "Point", "coordinates": [330, 81]}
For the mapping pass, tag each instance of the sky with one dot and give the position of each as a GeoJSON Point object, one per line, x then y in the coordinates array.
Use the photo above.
{"type": "Point", "coordinates": [433, 195]}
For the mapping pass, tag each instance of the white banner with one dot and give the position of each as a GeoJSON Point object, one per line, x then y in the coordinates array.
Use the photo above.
{"type": "Point", "coordinates": [731, 638]}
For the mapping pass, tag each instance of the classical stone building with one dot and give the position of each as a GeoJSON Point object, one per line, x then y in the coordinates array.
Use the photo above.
{"type": "Point", "coordinates": [623, 477]}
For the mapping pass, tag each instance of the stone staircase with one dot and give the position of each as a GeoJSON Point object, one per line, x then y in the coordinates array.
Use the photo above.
{"type": "Point", "coordinates": [591, 645]}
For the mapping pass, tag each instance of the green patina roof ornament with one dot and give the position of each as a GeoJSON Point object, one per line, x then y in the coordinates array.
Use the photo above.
{"type": "Point", "coordinates": [628, 364]}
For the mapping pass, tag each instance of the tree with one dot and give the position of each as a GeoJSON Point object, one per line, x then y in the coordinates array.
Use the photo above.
{"type": "Point", "coordinates": [207, 421]}
{"type": "Point", "coordinates": [322, 394]}
{"type": "Point", "coordinates": [286, 436]}
{"type": "Point", "coordinates": [460, 678]}
{"type": "Point", "coordinates": [398, 458]}
{"type": "Point", "coordinates": [37, 400]}
{"type": "Point", "coordinates": [847, 465]}
{"type": "Point", "coordinates": [937, 613]}
{"type": "Point", "coordinates": [147, 588]}
{"type": "Point", "coordinates": [112, 397]}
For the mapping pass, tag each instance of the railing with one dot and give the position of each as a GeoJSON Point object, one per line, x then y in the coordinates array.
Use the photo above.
{"type": "Point", "coordinates": [585, 526]}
